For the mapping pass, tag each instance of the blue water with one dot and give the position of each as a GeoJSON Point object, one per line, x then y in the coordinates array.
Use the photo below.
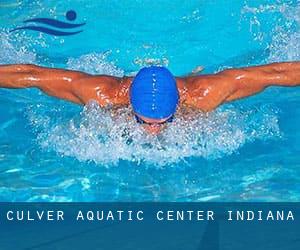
{"type": "Point", "coordinates": [248, 150]}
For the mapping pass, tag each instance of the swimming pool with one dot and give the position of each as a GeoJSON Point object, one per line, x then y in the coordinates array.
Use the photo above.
{"type": "Point", "coordinates": [248, 150]}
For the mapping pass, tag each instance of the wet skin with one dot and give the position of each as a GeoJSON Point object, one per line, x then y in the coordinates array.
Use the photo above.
{"type": "Point", "coordinates": [203, 92]}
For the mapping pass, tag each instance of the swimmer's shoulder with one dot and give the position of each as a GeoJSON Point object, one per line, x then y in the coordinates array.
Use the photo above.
{"type": "Point", "coordinates": [104, 89]}
{"type": "Point", "coordinates": [205, 92]}
{"type": "Point", "coordinates": [190, 86]}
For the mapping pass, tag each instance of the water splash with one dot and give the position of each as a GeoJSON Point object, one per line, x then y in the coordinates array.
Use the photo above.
{"type": "Point", "coordinates": [285, 45]}
{"type": "Point", "coordinates": [106, 136]}
{"type": "Point", "coordinates": [285, 36]}
{"type": "Point", "coordinates": [264, 8]}
{"type": "Point", "coordinates": [12, 51]}
{"type": "Point", "coordinates": [95, 63]}
{"type": "Point", "coordinates": [143, 62]}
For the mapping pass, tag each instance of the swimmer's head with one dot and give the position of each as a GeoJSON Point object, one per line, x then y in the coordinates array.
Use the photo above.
{"type": "Point", "coordinates": [154, 95]}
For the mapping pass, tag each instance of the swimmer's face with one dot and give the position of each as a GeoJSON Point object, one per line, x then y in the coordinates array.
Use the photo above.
{"type": "Point", "coordinates": [153, 126]}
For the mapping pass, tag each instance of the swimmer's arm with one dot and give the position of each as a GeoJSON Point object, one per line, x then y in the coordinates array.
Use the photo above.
{"type": "Point", "coordinates": [74, 86]}
{"type": "Point", "coordinates": [255, 79]}
{"type": "Point", "coordinates": [207, 92]}
{"type": "Point", "coordinates": [54, 82]}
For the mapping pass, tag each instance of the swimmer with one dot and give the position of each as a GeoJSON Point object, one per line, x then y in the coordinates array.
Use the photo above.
{"type": "Point", "coordinates": [154, 93]}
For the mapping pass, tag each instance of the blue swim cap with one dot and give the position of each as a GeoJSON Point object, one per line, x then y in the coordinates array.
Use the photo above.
{"type": "Point", "coordinates": [154, 93]}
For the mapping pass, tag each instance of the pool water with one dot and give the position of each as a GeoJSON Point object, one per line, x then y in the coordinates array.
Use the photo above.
{"type": "Point", "coordinates": [248, 150]}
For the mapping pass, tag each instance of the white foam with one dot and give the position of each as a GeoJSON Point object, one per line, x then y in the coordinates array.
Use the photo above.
{"type": "Point", "coordinates": [106, 136]}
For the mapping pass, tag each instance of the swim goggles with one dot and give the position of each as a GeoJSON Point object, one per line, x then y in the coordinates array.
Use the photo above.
{"type": "Point", "coordinates": [141, 121]}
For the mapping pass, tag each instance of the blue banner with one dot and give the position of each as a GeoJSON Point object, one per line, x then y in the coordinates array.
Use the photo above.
{"type": "Point", "coordinates": [205, 226]}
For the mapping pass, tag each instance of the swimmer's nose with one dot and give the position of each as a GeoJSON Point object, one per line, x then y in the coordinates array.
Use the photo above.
{"type": "Point", "coordinates": [153, 129]}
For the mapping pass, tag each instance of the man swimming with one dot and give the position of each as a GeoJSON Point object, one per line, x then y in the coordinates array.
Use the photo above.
{"type": "Point", "coordinates": [153, 93]}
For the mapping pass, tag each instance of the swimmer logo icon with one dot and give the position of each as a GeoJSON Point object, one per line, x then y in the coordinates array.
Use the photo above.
{"type": "Point", "coordinates": [58, 28]}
